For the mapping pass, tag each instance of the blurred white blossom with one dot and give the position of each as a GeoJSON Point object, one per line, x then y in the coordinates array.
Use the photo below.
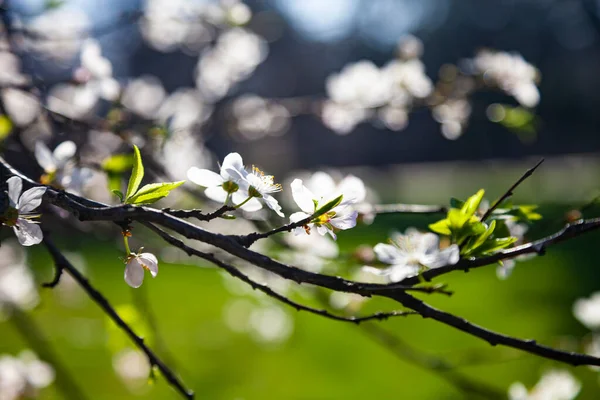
{"type": "Point", "coordinates": [587, 311]}
{"type": "Point", "coordinates": [256, 117]}
{"type": "Point", "coordinates": [23, 376]}
{"type": "Point", "coordinates": [60, 168]}
{"type": "Point", "coordinates": [553, 385]}
{"type": "Point", "coordinates": [509, 72]}
{"type": "Point", "coordinates": [22, 107]}
{"type": "Point", "coordinates": [144, 96]}
{"type": "Point", "coordinates": [453, 115]}
{"type": "Point", "coordinates": [55, 34]}
{"type": "Point", "coordinates": [234, 57]}
{"type": "Point", "coordinates": [132, 367]}
{"type": "Point", "coordinates": [361, 88]}
{"type": "Point", "coordinates": [17, 286]}
{"type": "Point", "coordinates": [96, 72]}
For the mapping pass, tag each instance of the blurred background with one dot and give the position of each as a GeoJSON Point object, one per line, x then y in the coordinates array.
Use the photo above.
{"type": "Point", "coordinates": [422, 99]}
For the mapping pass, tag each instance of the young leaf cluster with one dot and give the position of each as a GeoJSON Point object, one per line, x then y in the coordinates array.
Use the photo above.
{"type": "Point", "coordinates": [465, 227]}
{"type": "Point", "coordinates": [147, 194]}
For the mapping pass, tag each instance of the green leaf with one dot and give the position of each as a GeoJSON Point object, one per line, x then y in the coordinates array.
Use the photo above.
{"type": "Point", "coordinates": [442, 227]}
{"type": "Point", "coordinates": [456, 203]}
{"type": "Point", "coordinates": [473, 228]}
{"type": "Point", "coordinates": [119, 194]}
{"type": "Point", "coordinates": [137, 173]}
{"type": "Point", "coordinates": [118, 163]}
{"type": "Point", "coordinates": [483, 237]}
{"type": "Point", "coordinates": [457, 219]}
{"type": "Point", "coordinates": [472, 203]}
{"type": "Point", "coordinates": [494, 245]}
{"type": "Point", "coordinates": [153, 192]}
{"type": "Point", "coordinates": [328, 206]}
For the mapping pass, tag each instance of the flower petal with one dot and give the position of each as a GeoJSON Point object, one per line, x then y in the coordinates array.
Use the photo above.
{"type": "Point", "coordinates": [345, 219]}
{"type": "Point", "coordinates": [31, 199]}
{"type": "Point", "coordinates": [353, 190]}
{"type": "Point", "coordinates": [403, 271]}
{"type": "Point", "coordinates": [149, 261]}
{"type": "Point", "coordinates": [273, 204]}
{"type": "Point", "coordinates": [204, 177]}
{"type": "Point", "coordinates": [322, 185]}
{"type": "Point", "coordinates": [448, 256]}
{"type": "Point", "coordinates": [298, 216]}
{"type": "Point", "coordinates": [233, 167]}
{"type": "Point", "coordinates": [216, 193]}
{"type": "Point", "coordinates": [388, 254]}
{"type": "Point", "coordinates": [27, 232]}
{"type": "Point", "coordinates": [426, 243]}
{"type": "Point", "coordinates": [134, 273]}
{"type": "Point", "coordinates": [302, 196]}
{"type": "Point", "coordinates": [44, 157]}
{"type": "Point", "coordinates": [15, 185]}
{"type": "Point", "coordinates": [64, 152]}
{"type": "Point", "coordinates": [251, 206]}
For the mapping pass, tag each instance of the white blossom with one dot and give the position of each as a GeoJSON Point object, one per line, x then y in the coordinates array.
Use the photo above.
{"type": "Point", "coordinates": [136, 264]}
{"type": "Point", "coordinates": [412, 253]}
{"type": "Point", "coordinates": [342, 216]}
{"type": "Point", "coordinates": [220, 187]}
{"type": "Point", "coordinates": [553, 385]}
{"type": "Point", "coordinates": [587, 311]}
{"type": "Point", "coordinates": [259, 186]}
{"type": "Point", "coordinates": [19, 215]}
{"type": "Point", "coordinates": [60, 168]}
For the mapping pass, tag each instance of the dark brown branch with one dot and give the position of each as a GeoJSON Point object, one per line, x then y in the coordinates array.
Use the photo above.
{"type": "Point", "coordinates": [198, 213]}
{"type": "Point", "coordinates": [236, 273]}
{"type": "Point", "coordinates": [511, 189]}
{"type": "Point", "coordinates": [76, 206]}
{"type": "Point", "coordinates": [62, 263]}
{"type": "Point", "coordinates": [248, 240]}
{"type": "Point", "coordinates": [493, 338]}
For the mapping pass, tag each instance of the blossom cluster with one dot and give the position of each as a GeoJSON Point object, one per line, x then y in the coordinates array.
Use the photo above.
{"type": "Point", "coordinates": [362, 91]}
{"type": "Point", "coordinates": [23, 376]}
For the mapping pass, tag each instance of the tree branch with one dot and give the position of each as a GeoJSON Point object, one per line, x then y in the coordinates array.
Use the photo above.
{"type": "Point", "coordinates": [62, 263]}
{"type": "Point", "coordinates": [510, 190]}
{"type": "Point", "coordinates": [493, 338]}
{"type": "Point", "coordinates": [236, 273]}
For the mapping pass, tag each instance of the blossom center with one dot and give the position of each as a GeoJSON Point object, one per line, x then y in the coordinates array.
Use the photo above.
{"type": "Point", "coordinates": [261, 184]}
{"type": "Point", "coordinates": [10, 217]}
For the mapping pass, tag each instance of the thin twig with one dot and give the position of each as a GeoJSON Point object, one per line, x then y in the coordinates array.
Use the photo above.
{"type": "Point", "coordinates": [510, 190]}
{"type": "Point", "coordinates": [154, 360]}
{"type": "Point", "coordinates": [236, 273]}
{"type": "Point", "coordinates": [493, 338]}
